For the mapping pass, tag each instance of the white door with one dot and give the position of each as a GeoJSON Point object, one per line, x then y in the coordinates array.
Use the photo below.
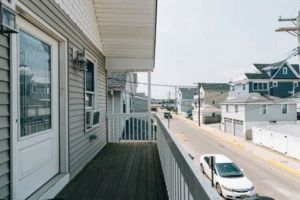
{"type": "Point", "coordinates": [37, 155]}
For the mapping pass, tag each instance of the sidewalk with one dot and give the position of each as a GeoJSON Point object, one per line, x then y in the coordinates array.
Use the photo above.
{"type": "Point", "coordinates": [271, 157]}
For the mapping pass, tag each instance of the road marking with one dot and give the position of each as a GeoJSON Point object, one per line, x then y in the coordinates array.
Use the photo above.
{"type": "Point", "coordinates": [284, 167]}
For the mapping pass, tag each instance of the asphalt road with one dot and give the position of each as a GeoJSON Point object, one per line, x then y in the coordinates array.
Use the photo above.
{"type": "Point", "coordinates": [270, 182]}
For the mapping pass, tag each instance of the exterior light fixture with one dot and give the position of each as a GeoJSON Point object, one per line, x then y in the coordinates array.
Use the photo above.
{"type": "Point", "coordinates": [8, 20]}
{"type": "Point", "coordinates": [79, 60]}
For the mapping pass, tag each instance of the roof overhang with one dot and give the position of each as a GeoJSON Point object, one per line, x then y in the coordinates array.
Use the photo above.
{"type": "Point", "coordinates": [128, 33]}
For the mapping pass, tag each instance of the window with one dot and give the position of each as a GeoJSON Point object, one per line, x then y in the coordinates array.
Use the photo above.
{"type": "Point", "coordinates": [35, 71]}
{"type": "Point", "coordinates": [284, 70]}
{"type": "Point", "coordinates": [284, 109]}
{"type": "Point", "coordinates": [227, 108]}
{"type": "Point", "coordinates": [263, 109]}
{"type": "Point", "coordinates": [255, 86]}
{"type": "Point", "coordinates": [260, 86]}
{"type": "Point", "coordinates": [92, 118]}
{"type": "Point", "coordinates": [296, 84]}
{"type": "Point", "coordinates": [236, 108]}
{"type": "Point", "coordinates": [90, 86]}
{"type": "Point", "coordinates": [275, 84]}
{"type": "Point", "coordinates": [244, 86]}
{"type": "Point", "coordinates": [124, 106]}
{"type": "Point", "coordinates": [213, 102]}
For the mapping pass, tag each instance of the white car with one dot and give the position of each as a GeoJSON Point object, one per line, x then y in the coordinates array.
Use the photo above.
{"type": "Point", "coordinates": [229, 180]}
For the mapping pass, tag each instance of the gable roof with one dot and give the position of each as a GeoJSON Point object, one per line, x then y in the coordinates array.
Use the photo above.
{"type": "Point", "coordinates": [116, 80]}
{"type": "Point", "coordinates": [188, 93]}
{"type": "Point", "coordinates": [257, 76]}
{"type": "Point", "coordinates": [215, 86]}
{"type": "Point", "coordinates": [263, 67]}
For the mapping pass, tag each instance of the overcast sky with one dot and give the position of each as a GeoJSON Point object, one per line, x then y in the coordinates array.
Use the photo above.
{"type": "Point", "coordinates": [213, 40]}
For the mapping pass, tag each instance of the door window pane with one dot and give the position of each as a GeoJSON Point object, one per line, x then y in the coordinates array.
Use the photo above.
{"type": "Point", "coordinates": [35, 85]}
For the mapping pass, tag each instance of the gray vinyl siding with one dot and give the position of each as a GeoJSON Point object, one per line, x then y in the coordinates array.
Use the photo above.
{"type": "Point", "coordinates": [117, 101]}
{"type": "Point", "coordinates": [81, 149]}
{"type": "Point", "coordinates": [4, 118]}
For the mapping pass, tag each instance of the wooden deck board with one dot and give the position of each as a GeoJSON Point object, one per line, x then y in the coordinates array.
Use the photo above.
{"type": "Point", "coordinates": [120, 171]}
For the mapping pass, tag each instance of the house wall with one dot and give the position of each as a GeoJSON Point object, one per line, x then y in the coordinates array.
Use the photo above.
{"type": "Point", "coordinates": [240, 115]}
{"type": "Point", "coordinates": [4, 117]}
{"type": "Point", "coordinates": [85, 19]}
{"type": "Point", "coordinates": [140, 104]}
{"type": "Point", "coordinates": [215, 97]}
{"type": "Point", "coordinates": [284, 89]}
{"type": "Point", "coordinates": [238, 90]}
{"type": "Point", "coordinates": [81, 149]}
{"type": "Point", "coordinates": [273, 113]}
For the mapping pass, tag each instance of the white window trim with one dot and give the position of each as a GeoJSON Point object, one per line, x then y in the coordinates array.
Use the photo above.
{"type": "Point", "coordinates": [284, 70]}
{"type": "Point", "coordinates": [262, 86]}
{"type": "Point", "coordinates": [287, 109]}
{"type": "Point", "coordinates": [261, 109]}
{"type": "Point", "coordinates": [95, 106]}
{"type": "Point", "coordinates": [236, 108]}
{"type": "Point", "coordinates": [296, 84]}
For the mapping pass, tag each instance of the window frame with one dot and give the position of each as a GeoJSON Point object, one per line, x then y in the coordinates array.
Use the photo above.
{"type": "Point", "coordinates": [94, 107]}
{"type": "Point", "coordinates": [284, 70]}
{"type": "Point", "coordinates": [296, 84]}
{"type": "Point", "coordinates": [260, 86]}
{"type": "Point", "coordinates": [262, 109]}
{"type": "Point", "coordinates": [236, 108]}
{"type": "Point", "coordinates": [287, 109]}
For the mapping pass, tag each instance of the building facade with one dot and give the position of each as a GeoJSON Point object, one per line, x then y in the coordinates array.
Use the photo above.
{"type": "Point", "coordinates": [241, 113]}
{"type": "Point", "coordinates": [280, 79]}
{"type": "Point", "coordinates": [184, 102]}
{"type": "Point", "coordinates": [53, 87]}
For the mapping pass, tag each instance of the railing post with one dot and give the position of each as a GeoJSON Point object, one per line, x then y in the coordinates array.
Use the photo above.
{"type": "Point", "coordinates": [149, 104]}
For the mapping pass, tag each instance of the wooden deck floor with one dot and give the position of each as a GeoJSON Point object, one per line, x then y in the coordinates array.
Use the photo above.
{"type": "Point", "coordinates": [120, 171]}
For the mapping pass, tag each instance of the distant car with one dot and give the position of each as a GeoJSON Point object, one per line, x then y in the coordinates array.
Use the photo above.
{"type": "Point", "coordinates": [229, 180]}
{"type": "Point", "coordinates": [167, 115]}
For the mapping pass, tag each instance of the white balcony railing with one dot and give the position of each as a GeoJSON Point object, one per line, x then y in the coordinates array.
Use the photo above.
{"type": "Point", "coordinates": [131, 127]}
{"type": "Point", "coordinates": [183, 179]}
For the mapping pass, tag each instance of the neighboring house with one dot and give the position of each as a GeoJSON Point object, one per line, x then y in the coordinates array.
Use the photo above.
{"type": "Point", "coordinates": [53, 85]}
{"type": "Point", "coordinates": [241, 113]}
{"type": "Point", "coordinates": [296, 98]}
{"type": "Point", "coordinates": [209, 114]}
{"type": "Point", "coordinates": [121, 88]}
{"type": "Point", "coordinates": [185, 100]}
{"type": "Point", "coordinates": [140, 102]}
{"type": "Point", "coordinates": [213, 93]}
{"type": "Point", "coordinates": [280, 79]}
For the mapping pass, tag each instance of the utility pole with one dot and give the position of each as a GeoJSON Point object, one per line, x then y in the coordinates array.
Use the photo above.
{"type": "Point", "coordinates": [294, 30]}
{"type": "Point", "coordinates": [176, 100]}
{"type": "Point", "coordinates": [199, 103]}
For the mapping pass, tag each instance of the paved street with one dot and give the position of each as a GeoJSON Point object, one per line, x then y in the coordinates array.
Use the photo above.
{"type": "Point", "coordinates": [271, 181]}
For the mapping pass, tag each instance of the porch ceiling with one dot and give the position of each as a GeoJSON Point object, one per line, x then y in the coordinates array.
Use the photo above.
{"type": "Point", "coordinates": [128, 30]}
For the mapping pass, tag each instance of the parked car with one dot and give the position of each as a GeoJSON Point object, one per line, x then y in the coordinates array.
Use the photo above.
{"type": "Point", "coordinates": [229, 179]}
{"type": "Point", "coordinates": [167, 115]}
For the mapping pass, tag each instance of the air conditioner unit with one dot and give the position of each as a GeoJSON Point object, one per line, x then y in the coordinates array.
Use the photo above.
{"type": "Point", "coordinates": [92, 118]}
